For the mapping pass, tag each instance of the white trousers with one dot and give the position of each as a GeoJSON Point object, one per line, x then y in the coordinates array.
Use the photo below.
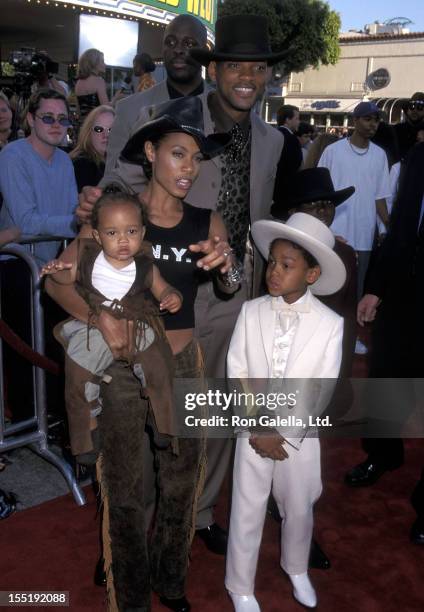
{"type": "Point", "coordinates": [296, 485]}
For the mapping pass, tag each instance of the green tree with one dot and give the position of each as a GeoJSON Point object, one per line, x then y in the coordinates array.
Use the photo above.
{"type": "Point", "coordinates": [308, 27]}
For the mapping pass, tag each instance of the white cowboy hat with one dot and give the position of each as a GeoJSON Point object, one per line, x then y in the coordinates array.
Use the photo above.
{"type": "Point", "coordinates": [315, 237]}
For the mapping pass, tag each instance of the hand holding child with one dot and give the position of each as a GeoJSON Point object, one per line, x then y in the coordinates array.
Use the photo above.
{"type": "Point", "coordinates": [269, 446]}
{"type": "Point", "coordinates": [117, 333]}
{"type": "Point", "coordinates": [87, 198]}
{"type": "Point", "coordinates": [53, 266]}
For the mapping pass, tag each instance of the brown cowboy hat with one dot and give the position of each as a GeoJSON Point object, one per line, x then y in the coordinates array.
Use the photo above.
{"type": "Point", "coordinates": [240, 37]}
{"type": "Point", "coordinates": [180, 115]}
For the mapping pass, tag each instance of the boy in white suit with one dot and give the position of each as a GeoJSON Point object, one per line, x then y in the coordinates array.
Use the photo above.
{"type": "Point", "coordinates": [285, 334]}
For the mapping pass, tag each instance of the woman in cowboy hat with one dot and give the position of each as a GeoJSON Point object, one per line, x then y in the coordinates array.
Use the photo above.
{"type": "Point", "coordinates": [287, 334]}
{"type": "Point", "coordinates": [184, 241]}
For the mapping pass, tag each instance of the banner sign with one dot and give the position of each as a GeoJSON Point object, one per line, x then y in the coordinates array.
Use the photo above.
{"type": "Point", "coordinates": [322, 104]}
{"type": "Point", "coordinates": [330, 105]}
{"type": "Point", "coordinates": [205, 10]}
{"type": "Point", "coordinates": [161, 11]}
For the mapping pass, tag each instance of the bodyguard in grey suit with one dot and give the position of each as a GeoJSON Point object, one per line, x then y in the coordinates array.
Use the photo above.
{"type": "Point", "coordinates": [184, 78]}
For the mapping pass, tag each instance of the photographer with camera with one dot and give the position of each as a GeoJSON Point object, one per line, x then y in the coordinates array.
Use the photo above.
{"type": "Point", "coordinates": [34, 70]}
{"type": "Point", "coordinates": [44, 70]}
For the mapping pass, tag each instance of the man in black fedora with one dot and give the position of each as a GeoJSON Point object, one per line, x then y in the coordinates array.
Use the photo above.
{"type": "Point", "coordinates": [238, 65]}
{"type": "Point", "coordinates": [239, 184]}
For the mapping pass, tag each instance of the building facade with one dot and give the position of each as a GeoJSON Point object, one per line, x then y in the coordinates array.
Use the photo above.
{"type": "Point", "coordinates": [385, 67]}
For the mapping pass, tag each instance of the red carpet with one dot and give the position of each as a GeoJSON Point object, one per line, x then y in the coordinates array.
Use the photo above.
{"type": "Point", "coordinates": [365, 533]}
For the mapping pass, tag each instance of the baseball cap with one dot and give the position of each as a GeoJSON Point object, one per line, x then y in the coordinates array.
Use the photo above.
{"type": "Point", "coordinates": [366, 108]}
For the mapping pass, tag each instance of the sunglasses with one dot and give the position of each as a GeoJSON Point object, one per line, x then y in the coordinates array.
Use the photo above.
{"type": "Point", "coordinates": [416, 105]}
{"type": "Point", "coordinates": [50, 120]}
{"type": "Point", "coordinates": [99, 129]}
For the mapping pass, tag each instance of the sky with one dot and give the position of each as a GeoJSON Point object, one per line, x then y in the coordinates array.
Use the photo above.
{"type": "Point", "coordinates": [356, 13]}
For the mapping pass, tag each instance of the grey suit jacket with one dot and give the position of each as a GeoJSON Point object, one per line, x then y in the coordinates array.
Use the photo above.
{"type": "Point", "coordinates": [267, 144]}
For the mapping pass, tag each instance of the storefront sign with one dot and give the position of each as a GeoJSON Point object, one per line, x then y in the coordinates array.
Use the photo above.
{"type": "Point", "coordinates": [330, 106]}
{"type": "Point", "coordinates": [161, 11]}
{"type": "Point", "coordinates": [323, 104]}
{"type": "Point", "coordinates": [378, 79]}
{"type": "Point", "coordinates": [205, 10]}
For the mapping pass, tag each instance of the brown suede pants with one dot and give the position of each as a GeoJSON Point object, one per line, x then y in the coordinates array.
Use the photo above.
{"type": "Point", "coordinates": [137, 565]}
{"type": "Point", "coordinates": [157, 364]}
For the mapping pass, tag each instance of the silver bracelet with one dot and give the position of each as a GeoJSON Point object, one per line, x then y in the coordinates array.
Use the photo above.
{"type": "Point", "coordinates": [233, 277]}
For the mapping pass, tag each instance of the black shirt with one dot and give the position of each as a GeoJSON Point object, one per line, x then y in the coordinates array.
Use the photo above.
{"type": "Point", "coordinates": [87, 172]}
{"type": "Point", "coordinates": [176, 263]}
{"type": "Point", "coordinates": [406, 136]}
{"type": "Point", "coordinates": [174, 93]}
{"type": "Point", "coordinates": [86, 104]}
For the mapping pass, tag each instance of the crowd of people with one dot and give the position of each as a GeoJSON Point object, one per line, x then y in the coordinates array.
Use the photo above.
{"type": "Point", "coordinates": [209, 244]}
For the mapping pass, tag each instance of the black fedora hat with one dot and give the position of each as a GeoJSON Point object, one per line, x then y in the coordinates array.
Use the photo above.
{"type": "Point", "coordinates": [314, 185]}
{"type": "Point", "coordinates": [180, 115]}
{"type": "Point", "coordinates": [240, 37]}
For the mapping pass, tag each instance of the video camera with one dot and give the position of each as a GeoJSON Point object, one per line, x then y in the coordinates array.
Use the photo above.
{"type": "Point", "coordinates": [30, 66]}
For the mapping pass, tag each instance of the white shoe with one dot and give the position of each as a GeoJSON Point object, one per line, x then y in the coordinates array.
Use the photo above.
{"type": "Point", "coordinates": [244, 603]}
{"type": "Point", "coordinates": [360, 348]}
{"type": "Point", "coordinates": [303, 590]}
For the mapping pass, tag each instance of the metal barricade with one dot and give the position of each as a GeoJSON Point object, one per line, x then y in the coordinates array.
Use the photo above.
{"type": "Point", "coordinates": [32, 432]}
{"type": "Point", "coordinates": [33, 240]}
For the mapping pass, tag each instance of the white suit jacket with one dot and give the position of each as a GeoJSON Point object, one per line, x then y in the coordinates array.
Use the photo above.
{"type": "Point", "coordinates": [315, 353]}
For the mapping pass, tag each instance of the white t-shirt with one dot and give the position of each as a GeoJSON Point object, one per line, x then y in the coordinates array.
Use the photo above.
{"type": "Point", "coordinates": [112, 283]}
{"type": "Point", "coordinates": [356, 218]}
{"type": "Point", "coordinates": [394, 181]}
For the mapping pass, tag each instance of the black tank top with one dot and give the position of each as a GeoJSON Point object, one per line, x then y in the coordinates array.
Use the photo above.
{"type": "Point", "coordinates": [86, 104]}
{"type": "Point", "coordinates": [176, 263]}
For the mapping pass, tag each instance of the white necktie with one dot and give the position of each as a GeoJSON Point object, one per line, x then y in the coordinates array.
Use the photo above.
{"type": "Point", "coordinates": [288, 313]}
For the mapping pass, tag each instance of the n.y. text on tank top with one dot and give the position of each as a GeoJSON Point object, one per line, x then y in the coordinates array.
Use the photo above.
{"type": "Point", "coordinates": [171, 254]}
